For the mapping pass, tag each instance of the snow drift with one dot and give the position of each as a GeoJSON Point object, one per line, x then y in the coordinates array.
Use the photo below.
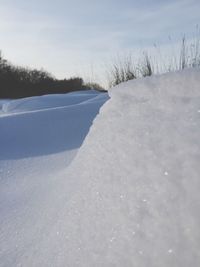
{"type": "Point", "coordinates": [137, 201]}
{"type": "Point", "coordinates": [46, 101]}
{"type": "Point", "coordinates": [49, 124]}
{"type": "Point", "coordinates": [139, 204]}
{"type": "Point", "coordinates": [131, 195]}
{"type": "Point", "coordinates": [39, 137]}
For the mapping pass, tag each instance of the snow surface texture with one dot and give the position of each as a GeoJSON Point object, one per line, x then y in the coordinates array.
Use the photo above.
{"type": "Point", "coordinates": [46, 101]}
{"type": "Point", "coordinates": [37, 126]}
{"type": "Point", "coordinates": [140, 202]}
{"type": "Point", "coordinates": [131, 195]}
{"type": "Point", "coordinates": [38, 140]}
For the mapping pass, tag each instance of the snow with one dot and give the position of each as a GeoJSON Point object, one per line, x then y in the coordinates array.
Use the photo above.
{"type": "Point", "coordinates": [130, 196]}
{"type": "Point", "coordinates": [38, 140]}
{"type": "Point", "coordinates": [47, 101]}
{"type": "Point", "coordinates": [29, 128]}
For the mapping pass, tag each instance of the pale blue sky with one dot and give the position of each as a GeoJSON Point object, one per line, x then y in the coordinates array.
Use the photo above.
{"type": "Point", "coordinates": [78, 37]}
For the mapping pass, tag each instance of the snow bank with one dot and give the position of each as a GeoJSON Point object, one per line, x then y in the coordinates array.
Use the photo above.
{"type": "Point", "coordinates": [138, 201]}
{"type": "Point", "coordinates": [39, 137]}
{"type": "Point", "coordinates": [46, 125]}
{"type": "Point", "coordinates": [46, 101]}
{"type": "Point", "coordinates": [130, 197]}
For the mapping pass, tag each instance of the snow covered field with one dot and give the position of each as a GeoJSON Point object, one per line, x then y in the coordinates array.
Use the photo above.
{"type": "Point", "coordinates": [39, 136]}
{"type": "Point", "coordinates": [128, 196]}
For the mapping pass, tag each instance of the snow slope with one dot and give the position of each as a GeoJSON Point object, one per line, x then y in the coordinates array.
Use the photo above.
{"type": "Point", "coordinates": [38, 126]}
{"type": "Point", "coordinates": [139, 204]}
{"type": "Point", "coordinates": [131, 195]}
{"type": "Point", "coordinates": [39, 137]}
{"type": "Point", "coordinates": [47, 101]}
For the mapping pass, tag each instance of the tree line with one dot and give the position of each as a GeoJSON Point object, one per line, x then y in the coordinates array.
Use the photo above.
{"type": "Point", "coordinates": [19, 82]}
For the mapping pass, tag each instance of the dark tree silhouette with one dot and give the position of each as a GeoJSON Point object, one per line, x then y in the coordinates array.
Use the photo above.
{"type": "Point", "coordinates": [18, 82]}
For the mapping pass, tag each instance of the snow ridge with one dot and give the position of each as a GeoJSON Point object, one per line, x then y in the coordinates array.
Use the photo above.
{"type": "Point", "coordinates": [131, 195]}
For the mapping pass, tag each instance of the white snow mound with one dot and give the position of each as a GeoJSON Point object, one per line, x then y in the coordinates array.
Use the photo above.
{"type": "Point", "coordinates": [131, 195]}
{"type": "Point", "coordinates": [138, 201]}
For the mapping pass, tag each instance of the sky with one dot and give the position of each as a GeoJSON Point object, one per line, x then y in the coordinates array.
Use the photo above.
{"type": "Point", "coordinates": [80, 37]}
